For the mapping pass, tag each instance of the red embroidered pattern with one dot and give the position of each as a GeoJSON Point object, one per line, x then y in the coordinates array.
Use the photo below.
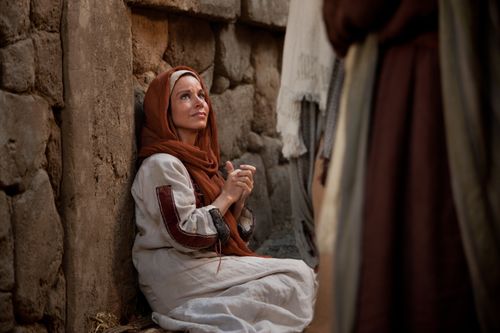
{"type": "Point", "coordinates": [171, 220]}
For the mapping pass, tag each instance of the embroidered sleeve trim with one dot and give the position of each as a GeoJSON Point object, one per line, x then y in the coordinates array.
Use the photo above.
{"type": "Point", "coordinates": [171, 220]}
{"type": "Point", "coordinates": [246, 224]}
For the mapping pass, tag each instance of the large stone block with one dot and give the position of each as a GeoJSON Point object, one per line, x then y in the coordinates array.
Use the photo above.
{"type": "Point", "coordinates": [55, 311]}
{"type": "Point", "coordinates": [265, 59]}
{"type": "Point", "coordinates": [149, 39]}
{"type": "Point", "coordinates": [46, 14]}
{"type": "Point", "coordinates": [258, 201]}
{"type": "Point", "coordinates": [255, 143]}
{"type": "Point", "coordinates": [6, 312]}
{"type": "Point", "coordinates": [98, 141]}
{"type": "Point", "coordinates": [268, 13]}
{"type": "Point", "coordinates": [271, 152]}
{"type": "Point", "coordinates": [233, 52]}
{"type": "Point", "coordinates": [24, 150]}
{"type": "Point", "coordinates": [234, 111]}
{"type": "Point", "coordinates": [17, 66]}
{"type": "Point", "coordinates": [48, 55]}
{"type": "Point", "coordinates": [38, 238]}
{"type": "Point", "coordinates": [191, 43]}
{"type": "Point", "coordinates": [220, 84]}
{"type": "Point", "coordinates": [14, 20]}
{"type": "Point", "coordinates": [6, 246]}
{"type": "Point", "coordinates": [212, 9]}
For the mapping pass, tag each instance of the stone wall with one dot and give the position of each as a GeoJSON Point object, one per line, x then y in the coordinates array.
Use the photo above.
{"type": "Point", "coordinates": [69, 73]}
{"type": "Point", "coordinates": [32, 280]}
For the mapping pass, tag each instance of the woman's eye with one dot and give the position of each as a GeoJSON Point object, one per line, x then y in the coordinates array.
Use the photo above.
{"type": "Point", "coordinates": [185, 96]}
{"type": "Point", "coordinates": [202, 96]}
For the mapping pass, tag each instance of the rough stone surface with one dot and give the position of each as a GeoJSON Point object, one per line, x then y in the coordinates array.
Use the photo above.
{"type": "Point", "coordinates": [48, 55]}
{"type": "Point", "coordinates": [248, 76]}
{"type": "Point", "coordinates": [46, 14]}
{"type": "Point", "coordinates": [255, 142]}
{"type": "Point", "coordinates": [208, 77]}
{"type": "Point", "coordinates": [273, 14]}
{"type": "Point", "coordinates": [6, 312]}
{"type": "Point", "coordinates": [271, 152]}
{"type": "Point", "coordinates": [6, 246]}
{"type": "Point", "coordinates": [191, 42]}
{"type": "Point", "coordinates": [53, 154]}
{"type": "Point", "coordinates": [233, 52]}
{"type": "Point", "coordinates": [145, 79]}
{"type": "Point", "coordinates": [149, 39]}
{"type": "Point", "coordinates": [139, 93]}
{"type": "Point", "coordinates": [22, 150]}
{"type": "Point", "coordinates": [282, 241]}
{"type": "Point", "coordinates": [211, 9]}
{"type": "Point", "coordinates": [14, 20]}
{"type": "Point", "coordinates": [278, 181]}
{"type": "Point", "coordinates": [233, 110]}
{"type": "Point", "coordinates": [221, 84]}
{"type": "Point", "coordinates": [34, 328]}
{"type": "Point", "coordinates": [55, 311]}
{"type": "Point", "coordinates": [17, 66]}
{"type": "Point", "coordinates": [98, 138]}
{"type": "Point", "coordinates": [280, 244]}
{"type": "Point", "coordinates": [258, 201]}
{"type": "Point", "coordinates": [38, 239]}
{"type": "Point", "coordinates": [163, 66]}
{"type": "Point", "coordinates": [265, 60]}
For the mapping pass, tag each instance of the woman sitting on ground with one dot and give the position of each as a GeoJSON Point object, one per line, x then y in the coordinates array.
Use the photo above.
{"type": "Point", "coordinates": [191, 253]}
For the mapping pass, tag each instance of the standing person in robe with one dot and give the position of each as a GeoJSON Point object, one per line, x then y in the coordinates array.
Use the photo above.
{"type": "Point", "coordinates": [191, 253]}
{"type": "Point", "coordinates": [423, 253]}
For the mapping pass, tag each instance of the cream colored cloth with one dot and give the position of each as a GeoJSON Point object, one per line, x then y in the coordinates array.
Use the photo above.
{"type": "Point", "coordinates": [341, 215]}
{"type": "Point", "coordinates": [471, 100]}
{"type": "Point", "coordinates": [306, 70]}
{"type": "Point", "coordinates": [184, 287]}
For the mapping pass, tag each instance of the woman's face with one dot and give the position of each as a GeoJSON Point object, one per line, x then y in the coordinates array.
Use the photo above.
{"type": "Point", "coordinates": [189, 106]}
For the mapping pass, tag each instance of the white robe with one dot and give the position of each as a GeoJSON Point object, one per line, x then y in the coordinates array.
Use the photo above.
{"type": "Point", "coordinates": [182, 285]}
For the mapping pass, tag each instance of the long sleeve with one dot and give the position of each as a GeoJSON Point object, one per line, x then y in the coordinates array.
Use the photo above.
{"type": "Point", "coordinates": [166, 212]}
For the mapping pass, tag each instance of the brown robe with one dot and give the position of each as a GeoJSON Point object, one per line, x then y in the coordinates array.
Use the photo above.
{"type": "Point", "coordinates": [414, 275]}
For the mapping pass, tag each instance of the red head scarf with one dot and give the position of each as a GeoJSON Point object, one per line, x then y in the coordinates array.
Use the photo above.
{"type": "Point", "coordinates": [201, 160]}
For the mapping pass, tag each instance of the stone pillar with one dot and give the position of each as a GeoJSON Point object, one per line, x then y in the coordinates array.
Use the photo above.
{"type": "Point", "coordinates": [99, 154]}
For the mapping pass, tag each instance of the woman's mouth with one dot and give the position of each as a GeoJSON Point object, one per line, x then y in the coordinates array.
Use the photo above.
{"type": "Point", "coordinates": [200, 114]}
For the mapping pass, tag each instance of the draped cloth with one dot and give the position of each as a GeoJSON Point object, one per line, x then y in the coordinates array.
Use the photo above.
{"type": "Point", "coordinates": [305, 74]}
{"type": "Point", "coordinates": [470, 76]}
{"type": "Point", "coordinates": [201, 160]}
{"type": "Point", "coordinates": [459, 140]}
{"type": "Point", "coordinates": [301, 112]}
{"type": "Point", "coordinates": [343, 201]}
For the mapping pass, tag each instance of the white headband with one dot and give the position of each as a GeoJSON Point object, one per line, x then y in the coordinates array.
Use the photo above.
{"type": "Point", "coordinates": [176, 76]}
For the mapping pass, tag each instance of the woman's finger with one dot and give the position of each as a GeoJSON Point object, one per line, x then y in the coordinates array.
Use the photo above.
{"type": "Point", "coordinates": [229, 167]}
{"type": "Point", "coordinates": [244, 186]}
{"type": "Point", "coordinates": [234, 174]}
{"type": "Point", "coordinates": [246, 180]}
{"type": "Point", "coordinates": [247, 173]}
{"type": "Point", "coordinates": [249, 167]}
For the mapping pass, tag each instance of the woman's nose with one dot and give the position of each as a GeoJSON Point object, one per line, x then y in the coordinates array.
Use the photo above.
{"type": "Point", "coordinates": [199, 100]}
